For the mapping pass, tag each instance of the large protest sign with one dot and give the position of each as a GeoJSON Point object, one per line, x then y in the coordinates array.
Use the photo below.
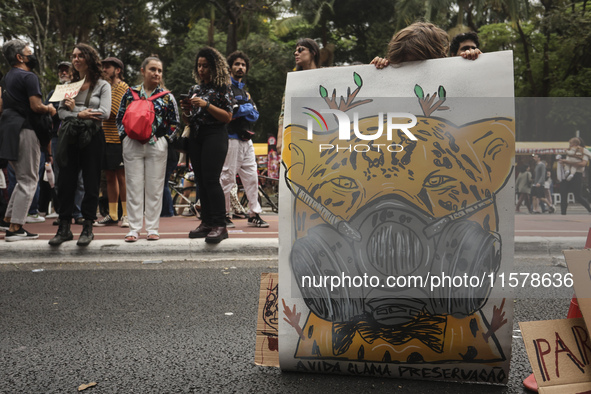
{"type": "Point", "coordinates": [396, 219]}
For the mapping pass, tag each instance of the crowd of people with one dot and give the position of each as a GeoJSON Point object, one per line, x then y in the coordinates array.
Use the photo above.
{"type": "Point", "coordinates": [128, 134]}
{"type": "Point", "coordinates": [534, 184]}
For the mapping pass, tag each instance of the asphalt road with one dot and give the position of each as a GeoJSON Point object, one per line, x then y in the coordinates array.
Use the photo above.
{"type": "Point", "coordinates": [181, 327]}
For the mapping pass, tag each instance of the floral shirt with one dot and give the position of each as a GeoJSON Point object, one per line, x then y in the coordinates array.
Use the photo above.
{"type": "Point", "coordinates": [166, 111]}
{"type": "Point", "coordinates": [220, 97]}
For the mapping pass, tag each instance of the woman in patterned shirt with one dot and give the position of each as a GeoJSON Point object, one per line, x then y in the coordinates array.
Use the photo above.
{"type": "Point", "coordinates": [145, 163]}
{"type": "Point", "coordinates": [208, 110]}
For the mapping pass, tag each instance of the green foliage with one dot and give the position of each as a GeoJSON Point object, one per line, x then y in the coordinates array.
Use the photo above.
{"type": "Point", "coordinates": [178, 75]}
{"type": "Point", "coordinates": [269, 62]}
{"type": "Point", "coordinates": [550, 39]}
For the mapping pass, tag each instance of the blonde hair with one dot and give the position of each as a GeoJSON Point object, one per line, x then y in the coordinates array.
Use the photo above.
{"type": "Point", "coordinates": [419, 41]}
{"type": "Point", "coordinates": [218, 66]}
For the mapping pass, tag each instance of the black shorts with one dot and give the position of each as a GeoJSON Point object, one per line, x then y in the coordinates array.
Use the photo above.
{"type": "Point", "coordinates": [113, 158]}
{"type": "Point", "coordinates": [538, 191]}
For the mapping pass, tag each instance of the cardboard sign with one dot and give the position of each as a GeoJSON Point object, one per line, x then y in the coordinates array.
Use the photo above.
{"type": "Point", "coordinates": [559, 351]}
{"type": "Point", "coordinates": [396, 220]}
{"type": "Point", "coordinates": [560, 354]}
{"type": "Point", "coordinates": [68, 90]}
{"type": "Point", "coordinates": [267, 351]}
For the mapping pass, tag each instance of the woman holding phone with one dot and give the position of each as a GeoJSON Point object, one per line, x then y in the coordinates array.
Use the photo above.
{"type": "Point", "coordinates": [81, 143]}
{"type": "Point", "coordinates": [208, 110]}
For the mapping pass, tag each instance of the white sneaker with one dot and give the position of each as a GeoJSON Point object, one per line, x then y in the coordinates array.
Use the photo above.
{"type": "Point", "coordinates": [36, 218]}
{"type": "Point", "coordinates": [124, 222]}
{"type": "Point", "coordinates": [52, 215]}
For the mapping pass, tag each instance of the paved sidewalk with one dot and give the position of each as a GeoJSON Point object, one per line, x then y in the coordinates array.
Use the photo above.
{"type": "Point", "coordinates": [542, 234]}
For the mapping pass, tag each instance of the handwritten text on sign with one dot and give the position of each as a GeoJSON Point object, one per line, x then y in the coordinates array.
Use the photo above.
{"type": "Point", "coordinates": [559, 350]}
{"type": "Point", "coordinates": [69, 90]}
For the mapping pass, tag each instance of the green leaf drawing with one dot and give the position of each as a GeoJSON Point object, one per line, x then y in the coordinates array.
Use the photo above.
{"type": "Point", "coordinates": [358, 80]}
{"type": "Point", "coordinates": [441, 93]}
{"type": "Point", "coordinates": [419, 92]}
{"type": "Point", "coordinates": [323, 92]}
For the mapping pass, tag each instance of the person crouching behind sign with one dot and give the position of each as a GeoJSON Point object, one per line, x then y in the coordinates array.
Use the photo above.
{"type": "Point", "coordinates": [145, 163]}
{"type": "Point", "coordinates": [418, 41]}
{"type": "Point", "coordinates": [81, 143]}
{"type": "Point", "coordinates": [208, 110]}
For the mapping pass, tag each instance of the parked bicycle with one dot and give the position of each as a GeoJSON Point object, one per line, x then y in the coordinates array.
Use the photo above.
{"type": "Point", "coordinates": [268, 193]}
{"type": "Point", "coordinates": [185, 198]}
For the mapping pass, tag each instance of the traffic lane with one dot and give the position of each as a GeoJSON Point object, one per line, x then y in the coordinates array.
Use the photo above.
{"type": "Point", "coordinates": [167, 328]}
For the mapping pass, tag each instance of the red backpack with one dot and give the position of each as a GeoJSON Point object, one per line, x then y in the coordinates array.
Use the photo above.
{"type": "Point", "coordinates": [139, 117]}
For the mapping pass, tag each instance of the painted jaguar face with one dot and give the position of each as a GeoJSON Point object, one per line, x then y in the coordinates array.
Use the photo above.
{"type": "Point", "coordinates": [447, 169]}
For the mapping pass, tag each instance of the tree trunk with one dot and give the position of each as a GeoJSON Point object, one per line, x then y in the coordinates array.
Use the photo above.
{"type": "Point", "coordinates": [40, 38]}
{"type": "Point", "coordinates": [528, 71]}
{"type": "Point", "coordinates": [546, 68]}
{"type": "Point", "coordinates": [211, 29]}
{"type": "Point", "coordinates": [232, 39]}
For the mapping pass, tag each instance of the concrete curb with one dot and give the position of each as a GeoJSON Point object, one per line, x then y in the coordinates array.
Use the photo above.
{"type": "Point", "coordinates": [196, 249]}
{"type": "Point", "coordinates": [119, 250]}
{"type": "Point", "coordinates": [548, 245]}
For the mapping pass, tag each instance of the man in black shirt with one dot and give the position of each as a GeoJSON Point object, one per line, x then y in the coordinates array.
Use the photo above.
{"type": "Point", "coordinates": [21, 99]}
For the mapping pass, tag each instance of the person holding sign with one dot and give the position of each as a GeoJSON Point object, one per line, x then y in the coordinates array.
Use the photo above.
{"type": "Point", "coordinates": [419, 41]}
{"type": "Point", "coordinates": [81, 142]}
{"type": "Point", "coordinates": [145, 147]}
{"type": "Point", "coordinates": [19, 143]}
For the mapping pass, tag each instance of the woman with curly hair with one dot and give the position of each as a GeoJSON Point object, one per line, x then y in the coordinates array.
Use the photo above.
{"type": "Point", "coordinates": [81, 142]}
{"type": "Point", "coordinates": [208, 110]}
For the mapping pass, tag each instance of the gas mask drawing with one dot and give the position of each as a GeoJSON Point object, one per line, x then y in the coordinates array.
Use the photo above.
{"type": "Point", "coordinates": [400, 240]}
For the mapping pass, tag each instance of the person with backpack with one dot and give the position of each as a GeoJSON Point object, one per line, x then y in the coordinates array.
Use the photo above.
{"type": "Point", "coordinates": [208, 110]}
{"type": "Point", "coordinates": [81, 143]}
{"type": "Point", "coordinates": [148, 113]}
{"type": "Point", "coordinates": [241, 159]}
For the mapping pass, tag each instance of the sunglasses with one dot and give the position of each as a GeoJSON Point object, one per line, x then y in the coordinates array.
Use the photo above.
{"type": "Point", "coordinates": [301, 49]}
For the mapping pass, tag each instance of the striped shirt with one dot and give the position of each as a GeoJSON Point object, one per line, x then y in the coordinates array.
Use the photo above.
{"type": "Point", "coordinates": [110, 126]}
